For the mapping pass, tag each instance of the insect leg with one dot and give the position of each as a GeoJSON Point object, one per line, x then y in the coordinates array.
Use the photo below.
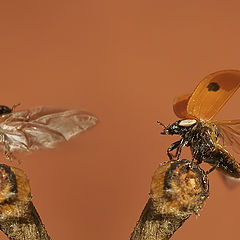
{"type": "Point", "coordinates": [176, 145]}
{"type": "Point", "coordinates": [211, 169]}
{"type": "Point", "coordinates": [179, 148]}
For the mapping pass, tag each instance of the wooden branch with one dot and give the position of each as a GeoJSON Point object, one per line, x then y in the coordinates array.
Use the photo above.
{"type": "Point", "coordinates": [18, 217]}
{"type": "Point", "coordinates": [178, 190]}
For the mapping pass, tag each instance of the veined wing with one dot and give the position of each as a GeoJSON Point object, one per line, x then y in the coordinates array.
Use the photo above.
{"type": "Point", "coordinates": [42, 127]}
{"type": "Point", "coordinates": [230, 133]}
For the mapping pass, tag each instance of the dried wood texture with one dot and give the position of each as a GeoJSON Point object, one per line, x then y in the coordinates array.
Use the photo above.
{"type": "Point", "coordinates": [178, 190]}
{"type": "Point", "coordinates": [18, 217]}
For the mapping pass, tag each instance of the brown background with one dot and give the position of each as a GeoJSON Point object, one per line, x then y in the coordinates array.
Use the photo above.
{"type": "Point", "coordinates": [124, 61]}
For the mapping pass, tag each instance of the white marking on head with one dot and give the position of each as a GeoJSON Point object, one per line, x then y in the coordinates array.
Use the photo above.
{"type": "Point", "coordinates": [187, 122]}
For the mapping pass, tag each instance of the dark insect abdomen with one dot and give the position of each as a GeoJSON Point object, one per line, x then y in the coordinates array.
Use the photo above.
{"type": "Point", "coordinates": [225, 163]}
{"type": "Point", "coordinates": [207, 151]}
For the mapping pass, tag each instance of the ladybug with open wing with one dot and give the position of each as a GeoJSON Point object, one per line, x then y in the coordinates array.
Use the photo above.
{"type": "Point", "coordinates": [207, 137]}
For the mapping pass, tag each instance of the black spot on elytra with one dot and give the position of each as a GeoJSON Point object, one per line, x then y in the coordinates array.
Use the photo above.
{"type": "Point", "coordinates": [213, 86]}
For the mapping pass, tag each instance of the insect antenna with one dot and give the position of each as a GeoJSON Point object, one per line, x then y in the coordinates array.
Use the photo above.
{"type": "Point", "coordinates": [161, 124]}
{"type": "Point", "coordinates": [15, 105]}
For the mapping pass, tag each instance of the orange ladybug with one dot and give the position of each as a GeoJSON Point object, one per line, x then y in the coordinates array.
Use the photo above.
{"type": "Point", "coordinates": [206, 137]}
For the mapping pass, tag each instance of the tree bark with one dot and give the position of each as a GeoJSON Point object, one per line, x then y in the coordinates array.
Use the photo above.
{"type": "Point", "coordinates": [18, 217]}
{"type": "Point", "coordinates": [177, 191]}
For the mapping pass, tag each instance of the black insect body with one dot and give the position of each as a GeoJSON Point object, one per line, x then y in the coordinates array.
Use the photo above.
{"type": "Point", "coordinates": [204, 141]}
{"type": "Point", "coordinates": [5, 109]}
{"type": "Point", "coordinates": [207, 138]}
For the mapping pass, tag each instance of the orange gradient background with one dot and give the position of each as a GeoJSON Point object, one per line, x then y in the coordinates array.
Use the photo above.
{"type": "Point", "coordinates": [124, 61]}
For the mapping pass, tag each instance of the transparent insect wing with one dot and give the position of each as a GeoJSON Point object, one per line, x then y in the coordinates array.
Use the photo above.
{"type": "Point", "coordinates": [42, 127]}
{"type": "Point", "coordinates": [230, 182]}
{"type": "Point", "coordinates": [230, 133]}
